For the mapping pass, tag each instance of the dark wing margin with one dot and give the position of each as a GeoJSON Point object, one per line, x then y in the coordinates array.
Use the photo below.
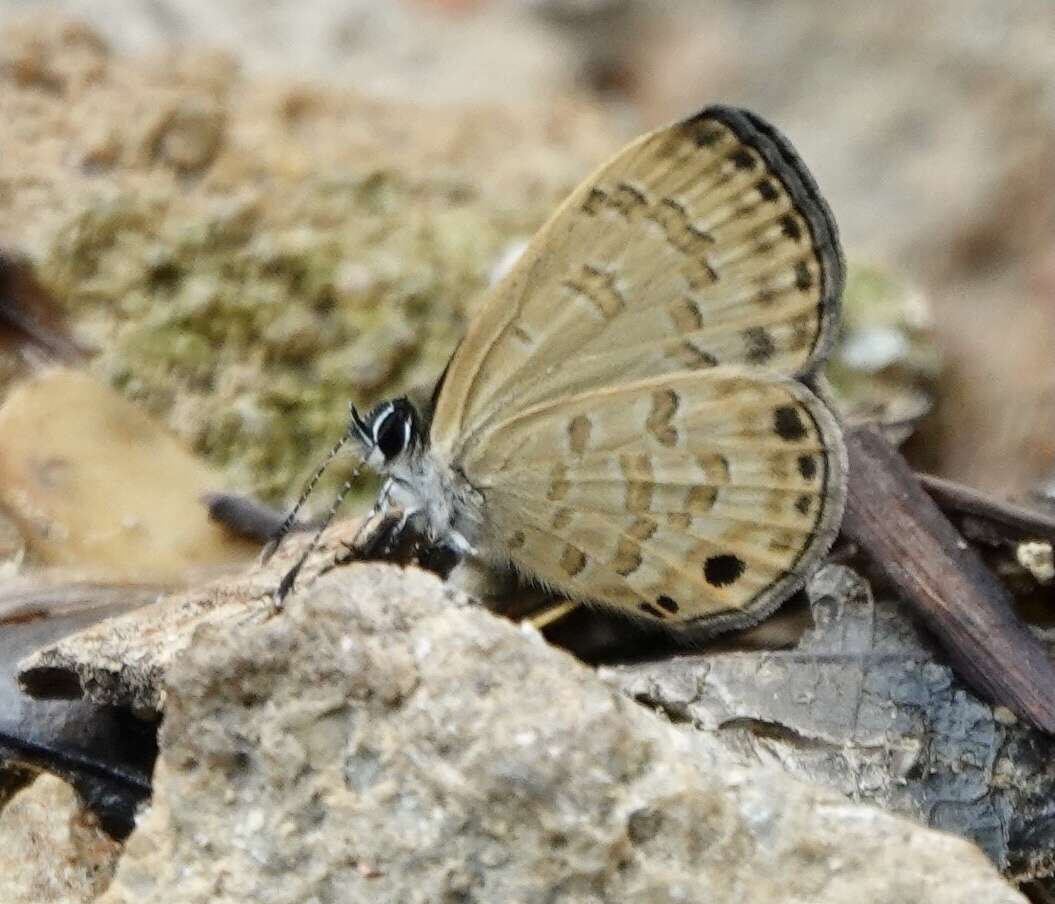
{"type": "Point", "coordinates": [786, 165]}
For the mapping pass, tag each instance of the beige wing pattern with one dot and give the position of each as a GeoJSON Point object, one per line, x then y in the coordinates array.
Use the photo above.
{"type": "Point", "coordinates": [696, 497]}
{"type": "Point", "coordinates": [701, 244]}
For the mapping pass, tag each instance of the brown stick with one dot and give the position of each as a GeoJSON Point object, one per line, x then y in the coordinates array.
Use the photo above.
{"type": "Point", "coordinates": [1015, 522]}
{"type": "Point", "coordinates": [899, 526]}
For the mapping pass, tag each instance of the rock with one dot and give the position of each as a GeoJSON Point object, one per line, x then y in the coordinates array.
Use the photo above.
{"type": "Point", "coordinates": [96, 484]}
{"type": "Point", "coordinates": [244, 256]}
{"type": "Point", "coordinates": [52, 850]}
{"type": "Point", "coordinates": [188, 136]}
{"type": "Point", "coordinates": [103, 751]}
{"type": "Point", "coordinates": [383, 741]}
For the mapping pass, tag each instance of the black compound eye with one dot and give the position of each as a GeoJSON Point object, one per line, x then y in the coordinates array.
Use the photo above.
{"type": "Point", "coordinates": [392, 434]}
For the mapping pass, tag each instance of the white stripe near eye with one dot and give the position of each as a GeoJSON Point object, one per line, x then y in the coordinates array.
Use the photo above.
{"type": "Point", "coordinates": [380, 423]}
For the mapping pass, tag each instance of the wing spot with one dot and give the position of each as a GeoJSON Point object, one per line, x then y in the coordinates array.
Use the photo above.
{"type": "Point", "coordinates": [679, 520]}
{"type": "Point", "coordinates": [682, 235]}
{"type": "Point", "coordinates": [703, 132]}
{"type": "Point", "coordinates": [787, 424]}
{"type": "Point", "coordinates": [701, 499]}
{"type": "Point", "coordinates": [598, 287]}
{"type": "Point", "coordinates": [595, 201]}
{"type": "Point", "coordinates": [665, 602]}
{"type": "Point", "coordinates": [686, 315]}
{"type": "Point", "coordinates": [802, 330]}
{"type": "Point", "coordinates": [559, 485]}
{"type": "Point", "coordinates": [693, 357]}
{"type": "Point", "coordinates": [723, 570]}
{"type": "Point", "coordinates": [760, 346]}
{"type": "Point", "coordinates": [803, 504]}
{"type": "Point", "coordinates": [767, 190]}
{"type": "Point", "coordinates": [561, 518]}
{"type": "Point", "coordinates": [579, 429]}
{"type": "Point", "coordinates": [664, 406]}
{"type": "Point", "coordinates": [790, 227]}
{"type": "Point", "coordinates": [628, 201]}
{"type": "Point", "coordinates": [807, 467]}
{"type": "Point", "coordinates": [742, 159]}
{"type": "Point", "coordinates": [637, 471]}
{"type": "Point", "coordinates": [627, 557]}
{"type": "Point", "coordinates": [573, 561]}
{"type": "Point", "coordinates": [517, 539]}
{"type": "Point", "coordinates": [523, 335]}
{"type": "Point", "coordinates": [649, 609]}
{"type": "Point", "coordinates": [715, 466]}
{"type": "Point", "coordinates": [784, 542]}
{"type": "Point", "coordinates": [642, 529]}
{"type": "Point", "coordinates": [803, 277]}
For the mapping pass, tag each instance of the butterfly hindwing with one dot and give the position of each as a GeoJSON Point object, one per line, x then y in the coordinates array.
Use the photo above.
{"type": "Point", "coordinates": [702, 244]}
{"type": "Point", "coordinates": [689, 498]}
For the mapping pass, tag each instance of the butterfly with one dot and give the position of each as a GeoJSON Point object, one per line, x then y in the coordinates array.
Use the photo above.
{"type": "Point", "coordinates": [632, 419]}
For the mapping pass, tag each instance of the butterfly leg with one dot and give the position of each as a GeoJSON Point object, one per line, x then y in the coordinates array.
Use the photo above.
{"type": "Point", "coordinates": [397, 537]}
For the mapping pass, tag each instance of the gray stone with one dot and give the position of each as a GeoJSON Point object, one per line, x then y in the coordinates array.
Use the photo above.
{"type": "Point", "coordinates": [52, 850]}
{"type": "Point", "coordinates": [382, 740]}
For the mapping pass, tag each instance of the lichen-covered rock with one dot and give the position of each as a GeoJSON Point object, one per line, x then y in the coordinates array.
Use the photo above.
{"type": "Point", "coordinates": [243, 257]}
{"type": "Point", "coordinates": [382, 741]}
{"type": "Point", "coordinates": [52, 851]}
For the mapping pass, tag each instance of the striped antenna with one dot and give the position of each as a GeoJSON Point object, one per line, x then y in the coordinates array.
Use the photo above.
{"type": "Point", "coordinates": [355, 426]}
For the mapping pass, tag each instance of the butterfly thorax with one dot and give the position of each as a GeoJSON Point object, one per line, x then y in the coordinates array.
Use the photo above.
{"type": "Point", "coordinates": [437, 500]}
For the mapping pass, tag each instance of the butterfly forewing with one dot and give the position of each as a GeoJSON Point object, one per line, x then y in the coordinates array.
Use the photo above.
{"type": "Point", "coordinates": [627, 399]}
{"type": "Point", "coordinates": [701, 244]}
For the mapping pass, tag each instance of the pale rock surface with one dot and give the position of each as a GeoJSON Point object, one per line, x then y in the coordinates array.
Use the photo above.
{"type": "Point", "coordinates": [53, 851]}
{"type": "Point", "coordinates": [97, 484]}
{"type": "Point", "coordinates": [384, 741]}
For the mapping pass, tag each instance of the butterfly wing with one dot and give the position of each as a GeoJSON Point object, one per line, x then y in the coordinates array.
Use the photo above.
{"type": "Point", "coordinates": [701, 244]}
{"type": "Point", "coordinates": [627, 401]}
{"type": "Point", "coordinates": [696, 497]}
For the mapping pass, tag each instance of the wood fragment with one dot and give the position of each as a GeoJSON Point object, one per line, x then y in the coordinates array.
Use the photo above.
{"type": "Point", "coordinates": [902, 530]}
{"type": "Point", "coordinates": [1014, 522]}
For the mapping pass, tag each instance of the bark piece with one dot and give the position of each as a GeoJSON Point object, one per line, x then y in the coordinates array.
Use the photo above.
{"type": "Point", "coordinates": [901, 529]}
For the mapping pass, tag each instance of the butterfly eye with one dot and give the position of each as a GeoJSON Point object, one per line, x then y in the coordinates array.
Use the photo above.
{"type": "Point", "coordinates": [392, 434]}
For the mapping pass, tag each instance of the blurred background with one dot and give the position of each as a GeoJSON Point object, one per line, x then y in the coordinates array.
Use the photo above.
{"type": "Point", "coordinates": [241, 215]}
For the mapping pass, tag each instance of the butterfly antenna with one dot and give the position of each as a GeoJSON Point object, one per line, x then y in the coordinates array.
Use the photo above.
{"type": "Point", "coordinates": [286, 584]}
{"type": "Point", "coordinates": [354, 426]}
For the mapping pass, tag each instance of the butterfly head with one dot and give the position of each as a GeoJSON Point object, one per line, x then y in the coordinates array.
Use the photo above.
{"type": "Point", "coordinates": [388, 433]}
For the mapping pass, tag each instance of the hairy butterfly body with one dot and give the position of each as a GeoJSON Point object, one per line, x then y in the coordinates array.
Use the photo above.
{"type": "Point", "coordinates": [629, 419]}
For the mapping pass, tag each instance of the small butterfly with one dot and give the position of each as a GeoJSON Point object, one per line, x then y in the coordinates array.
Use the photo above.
{"type": "Point", "coordinates": [632, 419]}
